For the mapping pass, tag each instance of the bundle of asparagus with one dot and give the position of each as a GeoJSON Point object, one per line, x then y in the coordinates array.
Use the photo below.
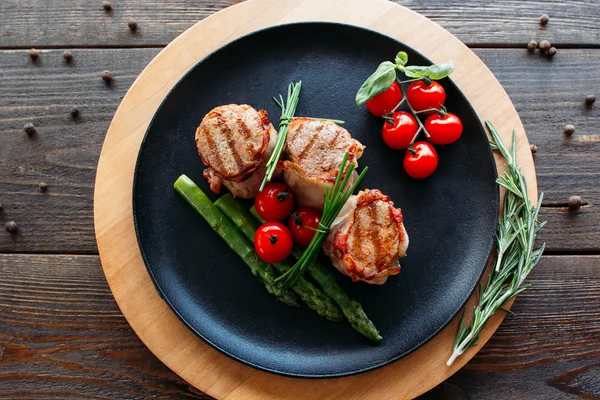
{"type": "Point", "coordinates": [237, 226]}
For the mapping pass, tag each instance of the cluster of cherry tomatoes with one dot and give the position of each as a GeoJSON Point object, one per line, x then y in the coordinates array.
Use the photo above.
{"type": "Point", "coordinates": [400, 129]}
{"type": "Point", "coordinates": [273, 240]}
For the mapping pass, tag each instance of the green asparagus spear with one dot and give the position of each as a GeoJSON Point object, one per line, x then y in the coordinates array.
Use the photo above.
{"type": "Point", "coordinates": [202, 204]}
{"type": "Point", "coordinates": [247, 224]}
{"type": "Point", "coordinates": [351, 308]}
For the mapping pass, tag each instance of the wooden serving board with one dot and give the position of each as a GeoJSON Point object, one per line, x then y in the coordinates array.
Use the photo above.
{"type": "Point", "coordinates": [152, 319]}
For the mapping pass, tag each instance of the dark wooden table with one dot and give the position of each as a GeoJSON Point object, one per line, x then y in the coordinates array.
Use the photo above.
{"type": "Point", "coordinates": [61, 333]}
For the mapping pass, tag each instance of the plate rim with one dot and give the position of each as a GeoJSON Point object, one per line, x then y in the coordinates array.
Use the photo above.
{"type": "Point", "coordinates": [160, 330]}
{"type": "Point", "coordinates": [161, 290]}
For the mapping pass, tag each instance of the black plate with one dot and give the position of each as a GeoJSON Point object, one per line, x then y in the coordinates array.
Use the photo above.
{"type": "Point", "coordinates": [450, 217]}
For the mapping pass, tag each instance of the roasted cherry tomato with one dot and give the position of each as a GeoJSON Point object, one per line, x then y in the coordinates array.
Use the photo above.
{"type": "Point", "coordinates": [275, 202]}
{"type": "Point", "coordinates": [422, 162]}
{"type": "Point", "coordinates": [385, 102]}
{"type": "Point", "coordinates": [422, 97]}
{"type": "Point", "coordinates": [300, 224]}
{"type": "Point", "coordinates": [443, 130]}
{"type": "Point", "coordinates": [399, 134]}
{"type": "Point", "coordinates": [273, 242]}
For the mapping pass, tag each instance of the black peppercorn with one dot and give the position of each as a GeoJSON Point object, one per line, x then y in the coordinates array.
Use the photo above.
{"type": "Point", "coordinates": [533, 148]}
{"type": "Point", "coordinates": [29, 128]}
{"type": "Point", "coordinates": [575, 202]}
{"type": "Point", "coordinates": [107, 6]}
{"type": "Point", "coordinates": [67, 55]}
{"type": "Point", "coordinates": [544, 20]}
{"type": "Point", "coordinates": [11, 226]}
{"type": "Point", "coordinates": [74, 112]}
{"type": "Point", "coordinates": [552, 51]}
{"type": "Point", "coordinates": [132, 26]}
{"type": "Point", "coordinates": [1, 206]}
{"type": "Point", "coordinates": [590, 99]}
{"type": "Point", "coordinates": [569, 129]}
{"type": "Point", "coordinates": [545, 45]}
{"type": "Point", "coordinates": [532, 45]}
{"type": "Point", "coordinates": [44, 186]}
{"type": "Point", "coordinates": [107, 76]}
{"type": "Point", "coordinates": [32, 53]}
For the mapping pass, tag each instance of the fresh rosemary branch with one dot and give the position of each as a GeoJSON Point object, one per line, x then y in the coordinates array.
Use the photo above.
{"type": "Point", "coordinates": [288, 109]}
{"type": "Point", "coordinates": [515, 239]}
{"type": "Point", "coordinates": [334, 201]}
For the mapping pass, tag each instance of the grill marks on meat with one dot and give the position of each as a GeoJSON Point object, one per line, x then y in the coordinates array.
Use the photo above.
{"type": "Point", "coordinates": [235, 142]}
{"type": "Point", "coordinates": [314, 152]}
{"type": "Point", "coordinates": [368, 238]}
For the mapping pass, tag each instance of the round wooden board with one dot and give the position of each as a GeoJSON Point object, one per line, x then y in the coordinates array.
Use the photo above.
{"type": "Point", "coordinates": [152, 319]}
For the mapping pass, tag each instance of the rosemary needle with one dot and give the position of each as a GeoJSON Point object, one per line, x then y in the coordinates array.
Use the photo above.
{"type": "Point", "coordinates": [515, 257]}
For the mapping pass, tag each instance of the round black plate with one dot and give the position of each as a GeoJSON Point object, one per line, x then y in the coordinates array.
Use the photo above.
{"type": "Point", "coordinates": [450, 217]}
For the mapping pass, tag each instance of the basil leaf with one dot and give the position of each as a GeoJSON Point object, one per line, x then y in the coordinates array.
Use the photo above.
{"type": "Point", "coordinates": [414, 71]}
{"type": "Point", "coordinates": [377, 83]}
{"type": "Point", "coordinates": [439, 71]}
{"type": "Point", "coordinates": [434, 72]}
{"type": "Point", "coordinates": [401, 58]}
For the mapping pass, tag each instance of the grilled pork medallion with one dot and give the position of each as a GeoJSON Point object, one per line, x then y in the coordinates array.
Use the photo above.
{"type": "Point", "coordinates": [235, 142]}
{"type": "Point", "coordinates": [315, 149]}
{"type": "Point", "coordinates": [367, 238]}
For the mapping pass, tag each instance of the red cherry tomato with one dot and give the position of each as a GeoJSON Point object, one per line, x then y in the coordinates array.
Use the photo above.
{"type": "Point", "coordinates": [399, 134]}
{"type": "Point", "coordinates": [423, 162]}
{"type": "Point", "coordinates": [301, 218]}
{"type": "Point", "coordinates": [385, 102]}
{"type": "Point", "coordinates": [422, 97]}
{"type": "Point", "coordinates": [275, 202]}
{"type": "Point", "coordinates": [273, 242]}
{"type": "Point", "coordinates": [443, 130]}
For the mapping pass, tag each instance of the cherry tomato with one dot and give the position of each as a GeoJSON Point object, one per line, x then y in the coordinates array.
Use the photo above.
{"type": "Point", "coordinates": [443, 130]}
{"type": "Point", "coordinates": [301, 218]}
{"type": "Point", "coordinates": [399, 134]}
{"type": "Point", "coordinates": [422, 97]}
{"type": "Point", "coordinates": [273, 242]}
{"type": "Point", "coordinates": [275, 202]}
{"type": "Point", "coordinates": [423, 162]}
{"type": "Point", "coordinates": [385, 102]}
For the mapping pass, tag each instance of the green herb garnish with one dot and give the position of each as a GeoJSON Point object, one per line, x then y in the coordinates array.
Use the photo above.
{"type": "Point", "coordinates": [515, 255]}
{"type": "Point", "coordinates": [288, 109]}
{"type": "Point", "coordinates": [334, 201]}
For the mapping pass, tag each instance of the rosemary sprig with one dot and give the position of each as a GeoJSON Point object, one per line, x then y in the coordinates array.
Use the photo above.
{"type": "Point", "coordinates": [288, 109]}
{"type": "Point", "coordinates": [515, 239]}
{"type": "Point", "coordinates": [334, 201]}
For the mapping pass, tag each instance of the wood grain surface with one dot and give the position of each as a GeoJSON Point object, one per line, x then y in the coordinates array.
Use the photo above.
{"type": "Point", "coordinates": [84, 23]}
{"type": "Point", "coordinates": [150, 317]}
{"type": "Point", "coordinates": [62, 335]}
{"type": "Point", "coordinates": [64, 153]}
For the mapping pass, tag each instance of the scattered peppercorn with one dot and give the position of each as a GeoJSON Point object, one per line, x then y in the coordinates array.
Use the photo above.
{"type": "Point", "coordinates": [532, 45]}
{"type": "Point", "coordinates": [569, 129]}
{"type": "Point", "coordinates": [544, 20]}
{"type": "Point", "coordinates": [533, 148]}
{"type": "Point", "coordinates": [132, 26]}
{"type": "Point", "coordinates": [44, 186]}
{"type": "Point", "coordinates": [74, 112]}
{"type": "Point", "coordinates": [545, 45]}
{"type": "Point", "coordinates": [67, 55]}
{"type": "Point", "coordinates": [29, 128]}
{"type": "Point", "coordinates": [590, 99]}
{"type": "Point", "coordinates": [32, 53]}
{"type": "Point", "coordinates": [552, 51]}
{"type": "Point", "coordinates": [107, 76]}
{"type": "Point", "coordinates": [11, 226]}
{"type": "Point", "coordinates": [107, 6]}
{"type": "Point", "coordinates": [575, 202]}
{"type": "Point", "coordinates": [1, 206]}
